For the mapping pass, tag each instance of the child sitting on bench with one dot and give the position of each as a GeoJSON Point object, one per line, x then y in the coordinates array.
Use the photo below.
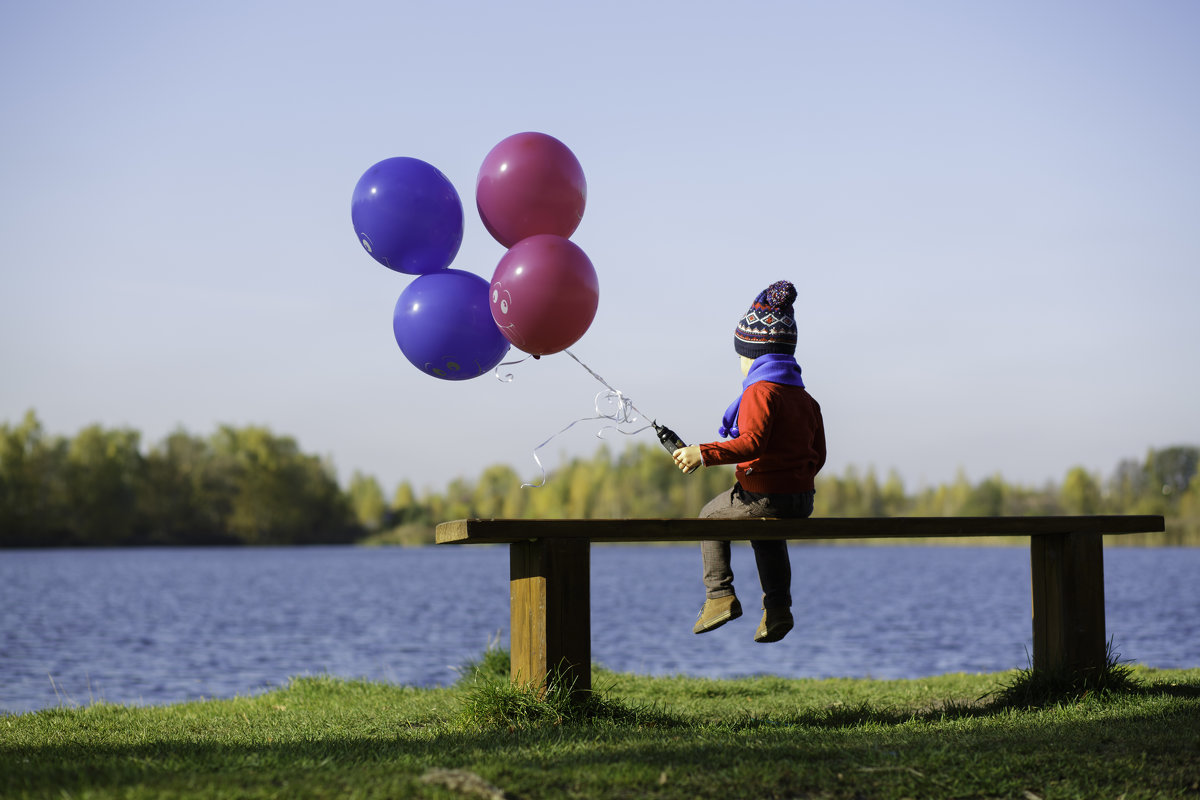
{"type": "Point", "coordinates": [778, 443]}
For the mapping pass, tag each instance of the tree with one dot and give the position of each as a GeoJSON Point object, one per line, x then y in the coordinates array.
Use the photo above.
{"type": "Point", "coordinates": [1172, 469]}
{"type": "Point", "coordinates": [33, 503]}
{"type": "Point", "coordinates": [458, 500]}
{"type": "Point", "coordinates": [281, 496]}
{"type": "Point", "coordinates": [185, 499]}
{"type": "Point", "coordinates": [104, 476]}
{"type": "Point", "coordinates": [893, 497]}
{"type": "Point", "coordinates": [833, 496]}
{"type": "Point", "coordinates": [870, 500]}
{"type": "Point", "coordinates": [497, 493]}
{"type": "Point", "coordinates": [405, 509]}
{"type": "Point", "coordinates": [434, 507]}
{"type": "Point", "coordinates": [649, 480]}
{"type": "Point", "coordinates": [581, 480]}
{"type": "Point", "coordinates": [366, 500]}
{"type": "Point", "coordinates": [1189, 504]}
{"type": "Point", "coordinates": [1128, 484]}
{"type": "Point", "coordinates": [986, 499]}
{"type": "Point", "coordinates": [605, 493]}
{"type": "Point", "coordinates": [1080, 492]}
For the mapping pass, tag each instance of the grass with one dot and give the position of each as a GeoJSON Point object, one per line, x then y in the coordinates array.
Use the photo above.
{"type": "Point", "coordinates": [957, 736]}
{"type": "Point", "coordinates": [1029, 688]}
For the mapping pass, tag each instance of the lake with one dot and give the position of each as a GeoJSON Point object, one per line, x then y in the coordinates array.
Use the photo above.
{"type": "Point", "coordinates": [165, 625]}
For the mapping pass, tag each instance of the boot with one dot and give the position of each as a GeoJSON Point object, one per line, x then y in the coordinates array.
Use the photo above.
{"type": "Point", "coordinates": [717, 612]}
{"type": "Point", "coordinates": [776, 622]}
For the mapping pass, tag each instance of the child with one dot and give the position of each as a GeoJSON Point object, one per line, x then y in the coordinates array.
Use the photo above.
{"type": "Point", "coordinates": [778, 444]}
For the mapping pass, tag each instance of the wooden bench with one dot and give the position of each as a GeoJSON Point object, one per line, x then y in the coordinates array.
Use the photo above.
{"type": "Point", "coordinates": [549, 575]}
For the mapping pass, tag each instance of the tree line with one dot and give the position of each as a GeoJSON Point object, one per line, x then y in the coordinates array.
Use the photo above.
{"type": "Point", "coordinates": [250, 486]}
{"type": "Point", "coordinates": [97, 488]}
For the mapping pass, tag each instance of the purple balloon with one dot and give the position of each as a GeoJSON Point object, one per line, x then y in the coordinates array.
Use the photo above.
{"type": "Point", "coordinates": [443, 324]}
{"type": "Point", "coordinates": [407, 216]}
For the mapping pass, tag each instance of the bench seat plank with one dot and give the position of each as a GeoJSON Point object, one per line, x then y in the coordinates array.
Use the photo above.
{"type": "Point", "coordinates": [501, 531]}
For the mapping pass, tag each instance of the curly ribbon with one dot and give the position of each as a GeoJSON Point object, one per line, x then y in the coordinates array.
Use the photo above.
{"type": "Point", "coordinates": [622, 412]}
{"type": "Point", "coordinates": [508, 377]}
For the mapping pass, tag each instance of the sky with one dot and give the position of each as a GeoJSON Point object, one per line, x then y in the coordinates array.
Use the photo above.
{"type": "Point", "coordinates": [990, 210]}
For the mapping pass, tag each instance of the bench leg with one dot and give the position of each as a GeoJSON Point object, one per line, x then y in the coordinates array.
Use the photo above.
{"type": "Point", "coordinates": [1068, 602]}
{"type": "Point", "coordinates": [550, 633]}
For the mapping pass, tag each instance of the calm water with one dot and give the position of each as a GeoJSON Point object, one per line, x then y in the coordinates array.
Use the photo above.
{"type": "Point", "coordinates": [166, 625]}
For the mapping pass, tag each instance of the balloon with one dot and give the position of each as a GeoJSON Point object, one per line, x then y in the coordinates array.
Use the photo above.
{"type": "Point", "coordinates": [407, 216]}
{"type": "Point", "coordinates": [544, 294]}
{"type": "Point", "coordinates": [443, 326]}
{"type": "Point", "coordinates": [530, 183]}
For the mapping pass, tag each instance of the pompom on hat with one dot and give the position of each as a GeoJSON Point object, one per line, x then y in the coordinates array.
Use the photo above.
{"type": "Point", "coordinates": [770, 324]}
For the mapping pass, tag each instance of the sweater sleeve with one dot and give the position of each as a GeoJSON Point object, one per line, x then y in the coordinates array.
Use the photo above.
{"type": "Point", "coordinates": [754, 424]}
{"type": "Point", "coordinates": [819, 438]}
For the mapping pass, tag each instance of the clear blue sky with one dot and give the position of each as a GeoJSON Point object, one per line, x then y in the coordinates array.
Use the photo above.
{"type": "Point", "coordinates": [991, 211]}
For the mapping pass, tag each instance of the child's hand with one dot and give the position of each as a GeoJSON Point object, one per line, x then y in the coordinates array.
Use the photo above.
{"type": "Point", "coordinates": [688, 458]}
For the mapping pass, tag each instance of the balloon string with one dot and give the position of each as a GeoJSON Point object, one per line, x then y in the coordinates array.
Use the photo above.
{"type": "Point", "coordinates": [508, 377]}
{"type": "Point", "coordinates": [623, 412]}
{"type": "Point", "coordinates": [616, 392]}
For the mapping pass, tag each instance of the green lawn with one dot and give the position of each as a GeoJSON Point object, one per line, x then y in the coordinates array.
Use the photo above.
{"type": "Point", "coordinates": [646, 737]}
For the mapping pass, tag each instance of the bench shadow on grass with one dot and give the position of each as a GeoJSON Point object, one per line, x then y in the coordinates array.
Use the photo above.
{"type": "Point", "coordinates": [865, 714]}
{"type": "Point", "coordinates": [842, 738]}
{"type": "Point", "coordinates": [524, 726]}
{"type": "Point", "coordinates": [490, 701]}
{"type": "Point", "coordinates": [516, 732]}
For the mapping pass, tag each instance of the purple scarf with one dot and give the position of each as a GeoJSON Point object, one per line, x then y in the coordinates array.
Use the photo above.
{"type": "Point", "coordinates": [773, 367]}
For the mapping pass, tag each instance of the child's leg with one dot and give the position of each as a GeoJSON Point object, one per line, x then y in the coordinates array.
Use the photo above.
{"type": "Point", "coordinates": [774, 572]}
{"type": "Point", "coordinates": [771, 556]}
{"type": "Point", "coordinates": [734, 504]}
{"type": "Point", "coordinates": [718, 574]}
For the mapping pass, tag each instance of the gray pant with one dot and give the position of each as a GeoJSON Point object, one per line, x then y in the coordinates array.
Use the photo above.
{"type": "Point", "coordinates": [770, 556]}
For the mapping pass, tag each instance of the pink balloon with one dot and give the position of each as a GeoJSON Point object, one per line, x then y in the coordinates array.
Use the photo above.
{"type": "Point", "coordinates": [544, 294]}
{"type": "Point", "coordinates": [530, 183]}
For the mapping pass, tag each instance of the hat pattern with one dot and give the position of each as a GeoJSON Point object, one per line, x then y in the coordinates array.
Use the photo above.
{"type": "Point", "coordinates": [770, 324]}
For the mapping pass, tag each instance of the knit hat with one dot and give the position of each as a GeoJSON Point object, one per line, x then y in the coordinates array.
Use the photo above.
{"type": "Point", "coordinates": [770, 324]}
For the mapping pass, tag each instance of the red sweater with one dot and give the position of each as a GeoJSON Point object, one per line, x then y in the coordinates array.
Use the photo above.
{"type": "Point", "coordinates": [781, 446]}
